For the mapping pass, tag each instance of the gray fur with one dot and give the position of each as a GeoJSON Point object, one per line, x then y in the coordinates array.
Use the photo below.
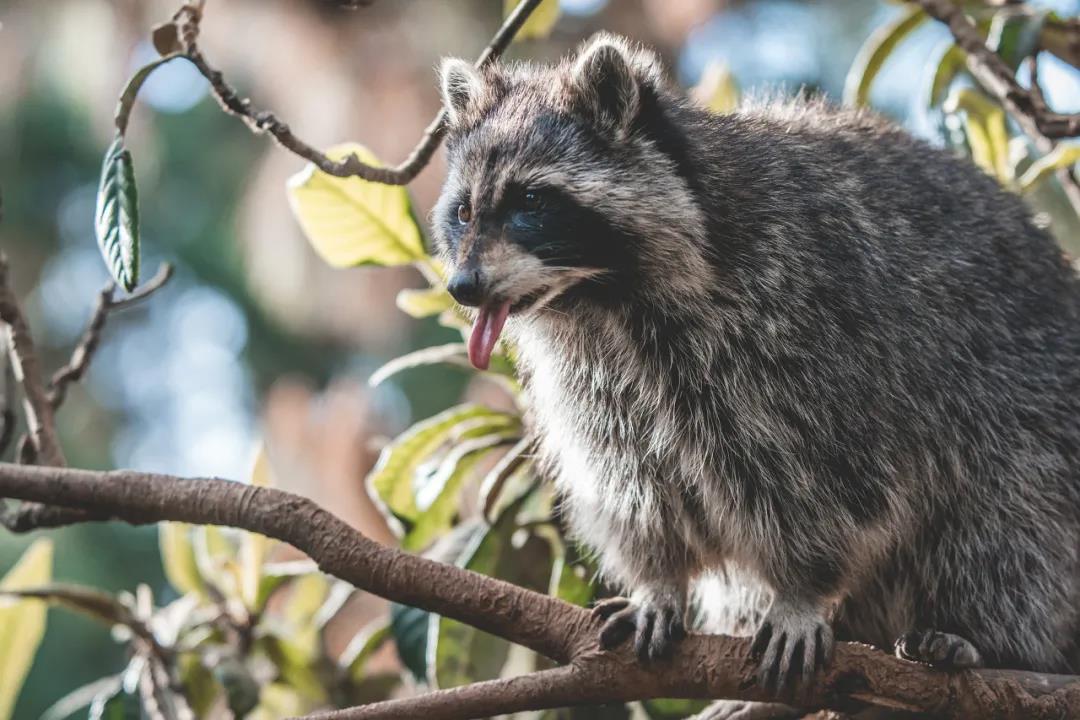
{"type": "Point", "coordinates": [821, 361]}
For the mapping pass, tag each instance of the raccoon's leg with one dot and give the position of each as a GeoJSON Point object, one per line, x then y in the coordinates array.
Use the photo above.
{"type": "Point", "coordinates": [794, 642]}
{"type": "Point", "coordinates": [654, 615]}
{"type": "Point", "coordinates": [940, 649]}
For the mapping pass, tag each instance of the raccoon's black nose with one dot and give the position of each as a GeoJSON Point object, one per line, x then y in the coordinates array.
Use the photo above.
{"type": "Point", "coordinates": [467, 287]}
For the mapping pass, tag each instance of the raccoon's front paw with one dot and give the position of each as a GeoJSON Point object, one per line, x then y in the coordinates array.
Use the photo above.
{"type": "Point", "coordinates": [655, 627]}
{"type": "Point", "coordinates": [942, 650]}
{"type": "Point", "coordinates": [793, 643]}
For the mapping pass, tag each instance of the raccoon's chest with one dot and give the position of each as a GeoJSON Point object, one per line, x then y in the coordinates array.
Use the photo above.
{"type": "Point", "coordinates": [618, 445]}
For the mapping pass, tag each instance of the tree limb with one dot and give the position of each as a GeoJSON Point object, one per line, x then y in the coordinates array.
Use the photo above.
{"type": "Point", "coordinates": [27, 366]}
{"type": "Point", "coordinates": [702, 667]}
{"type": "Point", "coordinates": [261, 121]}
{"type": "Point", "coordinates": [1028, 108]}
{"type": "Point", "coordinates": [83, 353]}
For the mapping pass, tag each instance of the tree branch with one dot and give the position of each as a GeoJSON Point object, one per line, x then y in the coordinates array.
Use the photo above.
{"type": "Point", "coordinates": [702, 667]}
{"type": "Point", "coordinates": [261, 121]}
{"type": "Point", "coordinates": [27, 367]}
{"type": "Point", "coordinates": [1028, 108]}
{"type": "Point", "coordinates": [83, 353]}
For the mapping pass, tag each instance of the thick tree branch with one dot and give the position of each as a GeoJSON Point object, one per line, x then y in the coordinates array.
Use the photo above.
{"type": "Point", "coordinates": [261, 121]}
{"type": "Point", "coordinates": [703, 666]}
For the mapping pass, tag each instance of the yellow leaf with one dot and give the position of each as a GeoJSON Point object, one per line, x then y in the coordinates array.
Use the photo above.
{"type": "Point", "coordinates": [424, 303]}
{"type": "Point", "coordinates": [1063, 156]}
{"type": "Point", "coordinates": [540, 23]}
{"type": "Point", "coordinates": [253, 546]}
{"type": "Point", "coordinates": [22, 622]}
{"type": "Point", "coordinates": [877, 49]}
{"type": "Point", "coordinates": [350, 221]}
{"type": "Point", "coordinates": [178, 557]}
{"type": "Point", "coordinates": [987, 134]}
{"type": "Point", "coordinates": [717, 91]}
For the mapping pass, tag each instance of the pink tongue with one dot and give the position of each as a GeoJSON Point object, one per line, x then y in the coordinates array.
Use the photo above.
{"type": "Point", "coordinates": [485, 333]}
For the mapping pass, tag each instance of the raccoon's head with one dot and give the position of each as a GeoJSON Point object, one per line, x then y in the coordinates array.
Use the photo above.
{"type": "Point", "coordinates": [565, 186]}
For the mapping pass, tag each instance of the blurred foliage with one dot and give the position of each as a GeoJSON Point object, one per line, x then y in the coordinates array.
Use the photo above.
{"type": "Point", "coordinates": [241, 633]}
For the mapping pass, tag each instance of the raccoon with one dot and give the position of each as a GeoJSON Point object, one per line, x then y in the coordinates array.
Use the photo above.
{"type": "Point", "coordinates": [790, 349]}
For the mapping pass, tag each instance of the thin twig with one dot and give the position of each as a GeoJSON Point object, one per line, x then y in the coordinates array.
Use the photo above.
{"type": "Point", "coordinates": [1027, 107]}
{"type": "Point", "coordinates": [83, 353]}
{"type": "Point", "coordinates": [27, 367]}
{"type": "Point", "coordinates": [260, 121]}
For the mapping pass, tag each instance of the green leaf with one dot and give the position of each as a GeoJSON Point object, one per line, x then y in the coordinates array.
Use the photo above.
{"type": "Point", "coordinates": [116, 220]}
{"type": "Point", "coordinates": [178, 557]}
{"type": "Point", "coordinates": [409, 626]}
{"type": "Point", "coordinates": [987, 133]}
{"type": "Point", "coordinates": [117, 705]}
{"type": "Point", "coordinates": [462, 654]}
{"type": "Point", "coordinates": [424, 303]}
{"type": "Point", "coordinates": [540, 23]}
{"type": "Point", "coordinates": [350, 221]}
{"type": "Point", "coordinates": [22, 622]}
{"type": "Point", "coordinates": [451, 353]}
{"type": "Point", "coordinates": [278, 700]}
{"type": "Point", "coordinates": [952, 60]}
{"type": "Point", "coordinates": [438, 514]}
{"type": "Point", "coordinates": [275, 575]}
{"type": "Point", "coordinates": [1063, 156]}
{"type": "Point", "coordinates": [875, 51]}
{"type": "Point", "coordinates": [672, 709]}
{"type": "Point", "coordinates": [241, 689]}
{"type": "Point", "coordinates": [253, 546]}
{"type": "Point", "coordinates": [1014, 37]}
{"type": "Point", "coordinates": [393, 481]}
{"type": "Point", "coordinates": [82, 696]}
{"type": "Point", "coordinates": [199, 685]}
{"type": "Point", "coordinates": [509, 479]}
{"type": "Point", "coordinates": [362, 647]}
{"type": "Point", "coordinates": [717, 90]}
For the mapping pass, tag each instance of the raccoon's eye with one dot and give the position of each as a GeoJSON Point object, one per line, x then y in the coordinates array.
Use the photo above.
{"type": "Point", "coordinates": [532, 200]}
{"type": "Point", "coordinates": [464, 213]}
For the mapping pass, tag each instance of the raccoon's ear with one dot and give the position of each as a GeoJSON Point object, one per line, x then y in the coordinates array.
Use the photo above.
{"type": "Point", "coordinates": [460, 83]}
{"type": "Point", "coordinates": [609, 74]}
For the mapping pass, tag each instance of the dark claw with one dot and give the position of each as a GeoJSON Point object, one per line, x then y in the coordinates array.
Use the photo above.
{"type": "Point", "coordinates": [789, 655]}
{"type": "Point", "coordinates": [655, 629]}
{"type": "Point", "coordinates": [939, 649]}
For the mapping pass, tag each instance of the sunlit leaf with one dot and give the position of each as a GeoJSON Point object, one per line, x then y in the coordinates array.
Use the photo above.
{"type": "Point", "coordinates": [253, 546]}
{"type": "Point", "coordinates": [875, 51]}
{"type": "Point", "coordinates": [296, 666]}
{"type": "Point", "coordinates": [116, 220]}
{"type": "Point", "coordinates": [540, 23]}
{"type": "Point", "coordinates": [444, 487]}
{"type": "Point", "coordinates": [350, 221]}
{"type": "Point", "coordinates": [362, 647]}
{"type": "Point", "coordinates": [178, 557]}
{"type": "Point", "coordinates": [393, 481]}
{"type": "Point", "coordinates": [717, 90]}
{"type": "Point", "coordinates": [987, 133]}
{"type": "Point", "coordinates": [80, 697]}
{"type": "Point", "coordinates": [200, 687]}
{"type": "Point", "coordinates": [425, 302]}
{"type": "Point", "coordinates": [217, 556]}
{"type": "Point", "coordinates": [463, 654]}
{"type": "Point", "coordinates": [22, 622]}
{"type": "Point", "coordinates": [278, 700]}
{"type": "Point", "coordinates": [951, 61]}
{"type": "Point", "coordinates": [451, 353]}
{"type": "Point", "coordinates": [277, 574]}
{"type": "Point", "coordinates": [508, 480]}
{"type": "Point", "coordinates": [120, 704]}
{"type": "Point", "coordinates": [1063, 156]}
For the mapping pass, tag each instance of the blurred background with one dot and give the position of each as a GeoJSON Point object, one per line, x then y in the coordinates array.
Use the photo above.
{"type": "Point", "coordinates": [256, 338]}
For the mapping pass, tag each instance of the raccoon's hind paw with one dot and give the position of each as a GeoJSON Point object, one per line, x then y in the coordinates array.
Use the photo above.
{"type": "Point", "coordinates": [939, 649]}
{"type": "Point", "coordinates": [656, 628]}
{"type": "Point", "coordinates": [793, 643]}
